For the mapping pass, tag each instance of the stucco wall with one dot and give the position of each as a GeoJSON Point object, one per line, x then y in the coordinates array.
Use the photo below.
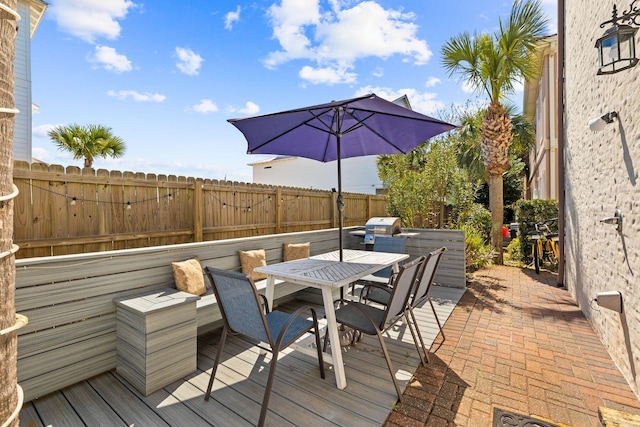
{"type": "Point", "coordinates": [602, 176]}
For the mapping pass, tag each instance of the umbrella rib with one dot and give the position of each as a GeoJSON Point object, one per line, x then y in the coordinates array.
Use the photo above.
{"type": "Point", "coordinates": [304, 123]}
{"type": "Point", "coordinates": [335, 118]}
{"type": "Point", "coordinates": [362, 123]}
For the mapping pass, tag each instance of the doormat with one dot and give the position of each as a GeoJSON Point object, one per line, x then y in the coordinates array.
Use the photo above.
{"type": "Point", "coordinates": [504, 418]}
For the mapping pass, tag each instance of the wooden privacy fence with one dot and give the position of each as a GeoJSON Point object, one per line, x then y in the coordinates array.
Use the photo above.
{"type": "Point", "coordinates": [63, 211]}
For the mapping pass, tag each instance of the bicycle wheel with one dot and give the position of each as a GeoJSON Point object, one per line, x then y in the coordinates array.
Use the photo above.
{"type": "Point", "coordinates": [536, 256]}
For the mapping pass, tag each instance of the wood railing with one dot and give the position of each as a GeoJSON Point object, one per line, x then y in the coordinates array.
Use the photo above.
{"type": "Point", "coordinates": [71, 210]}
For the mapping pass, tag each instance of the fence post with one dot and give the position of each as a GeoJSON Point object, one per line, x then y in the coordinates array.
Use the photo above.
{"type": "Point", "coordinates": [198, 213]}
{"type": "Point", "coordinates": [278, 210]}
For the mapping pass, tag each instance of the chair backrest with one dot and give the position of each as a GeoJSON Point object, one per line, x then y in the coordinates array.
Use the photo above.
{"type": "Point", "coordinates": [427, 274]}
{"type": "Point", "coordinates": [388, 244]}
{"type": "Point", "coordinates": [239, 304]}
{"type": "Point", "coordinates": [403, 285]}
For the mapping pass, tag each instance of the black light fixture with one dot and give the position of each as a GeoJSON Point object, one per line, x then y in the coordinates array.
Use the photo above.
{"type": "Point", "coordinates": [617, 46]}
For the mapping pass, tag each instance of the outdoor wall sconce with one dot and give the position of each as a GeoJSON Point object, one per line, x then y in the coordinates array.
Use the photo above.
{"type": "Point", "coordinates": [617, 46]}
{"type": "Point", "coordinates": [599, 123]}
{"type": "Point", "coordinates": [616, 220]}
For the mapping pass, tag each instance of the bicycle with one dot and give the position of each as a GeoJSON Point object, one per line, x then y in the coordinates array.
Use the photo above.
{"type": "Point", "coordinates": [544, 246]}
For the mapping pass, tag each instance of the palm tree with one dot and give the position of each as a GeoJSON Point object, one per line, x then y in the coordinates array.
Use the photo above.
{"type": "Point", "coordinates": [87, 142]}
{"type": "Point", "coordinates": [8, 342]}
{"type": "Point", "coordinates": [493, 64]}
{"type": "Point", "coordinates": [468, 142]}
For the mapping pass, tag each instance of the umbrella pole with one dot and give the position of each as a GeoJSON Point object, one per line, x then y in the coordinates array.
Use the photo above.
{"type": "Point", "coordinates": [340, 203]}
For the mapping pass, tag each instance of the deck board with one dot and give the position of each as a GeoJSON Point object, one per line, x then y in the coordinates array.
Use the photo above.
{"type": "Point", "coordinates": [299, 395]}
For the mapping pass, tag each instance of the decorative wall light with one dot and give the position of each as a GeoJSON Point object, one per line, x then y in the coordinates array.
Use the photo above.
{"type": "Point", "coordinates": [599, 123]}
{"type": "Point", "coordinates": [616, 220]}
{"type": "Point", "coordinates": [617, 46]}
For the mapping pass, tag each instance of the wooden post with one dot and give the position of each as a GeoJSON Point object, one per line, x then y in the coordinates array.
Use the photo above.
{"type": "Point", "coordinates": [369, 207]}
{"type": "Point", "coordinates": [198, 214]}
{"type": "Point", "coordinates": [278, 210]}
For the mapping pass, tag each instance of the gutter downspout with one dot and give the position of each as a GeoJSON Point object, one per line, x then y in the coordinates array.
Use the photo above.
{"type": "Point", "coordinates": [560, 132]}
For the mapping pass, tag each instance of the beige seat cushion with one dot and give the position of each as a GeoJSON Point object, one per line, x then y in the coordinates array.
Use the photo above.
{"type": "Point", "coordinates": [189, 277]}
{"type": "Point", "coordinates": [291, 251]}
{"type": "Point", "coordinates": [252, 259]}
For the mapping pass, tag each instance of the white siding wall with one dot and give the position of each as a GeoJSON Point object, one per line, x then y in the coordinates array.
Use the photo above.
{"type": "Point", "coordinates": [601, 176]}
{"type": "Point", "coordinates": [543, 181]}
{"type": "Point", "coordinates": [359, 174]}
{"type": "Point", "coordinates": [22, 131]}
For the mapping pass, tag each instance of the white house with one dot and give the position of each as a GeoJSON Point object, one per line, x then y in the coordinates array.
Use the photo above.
{"type": "Point", "coordinates": [31, 12]}
{"type": "Point", "coordinates": [539, 106]}
{"type": "Point", "coordinates": [359, 174]}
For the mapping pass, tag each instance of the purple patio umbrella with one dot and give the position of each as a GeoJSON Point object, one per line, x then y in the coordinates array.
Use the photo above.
{"type": "Point", "coordinates": [363, 126]}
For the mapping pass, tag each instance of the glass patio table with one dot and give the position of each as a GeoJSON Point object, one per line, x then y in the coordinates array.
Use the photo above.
{"type": "Point", "coordinates": [326, 272]}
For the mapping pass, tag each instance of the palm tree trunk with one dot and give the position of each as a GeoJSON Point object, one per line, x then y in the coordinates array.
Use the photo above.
{"type": "Point", "coordinates": [8, 342]}
{"type": "Point", "coordinates": [495, 205]}
{"type": "Point", "coordinates": [496, 139]}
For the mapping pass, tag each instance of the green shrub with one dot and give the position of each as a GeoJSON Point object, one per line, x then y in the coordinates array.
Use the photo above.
{"type": "Point", "coordinates": [478, 253]}
{"type": "Point", "coordinates": [478, 218]}
{"type": "Point", "coordinates": [514, 250]}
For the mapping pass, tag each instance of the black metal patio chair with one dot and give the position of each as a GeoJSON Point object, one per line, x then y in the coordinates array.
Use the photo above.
{"type": "Point", "coordinates": [381, 295]}
{"type": "Point", "coordinates": [243, 315]}
{"type": "Point", "coordinates": [370, 320]}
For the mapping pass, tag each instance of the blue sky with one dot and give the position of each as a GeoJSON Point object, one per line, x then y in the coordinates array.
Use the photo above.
{"type": "Point", "coordinates": [166, 75]}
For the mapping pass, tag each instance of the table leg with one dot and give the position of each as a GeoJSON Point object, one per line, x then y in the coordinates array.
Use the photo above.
{"type": "Point", "coordinates": [395, 268]}
{"type": "Point", "coordinates": [334, 338]}
{"type": "Point", "coordinates": [270, 291]}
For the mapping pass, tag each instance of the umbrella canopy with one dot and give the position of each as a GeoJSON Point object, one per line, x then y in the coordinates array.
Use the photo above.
{"type": "Point", "coordinates": [363, 126]}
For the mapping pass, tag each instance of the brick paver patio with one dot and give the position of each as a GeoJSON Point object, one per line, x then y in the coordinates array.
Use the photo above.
{"type": "Point", "coordinates": [515, 341]}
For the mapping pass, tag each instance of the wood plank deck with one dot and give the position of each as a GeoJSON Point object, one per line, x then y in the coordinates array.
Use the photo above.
{"type": "Point", "coordinates": [299, 396]}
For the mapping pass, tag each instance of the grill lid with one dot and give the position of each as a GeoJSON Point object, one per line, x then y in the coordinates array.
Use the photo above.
{"type": "Point", "coordinates": [387, 226]}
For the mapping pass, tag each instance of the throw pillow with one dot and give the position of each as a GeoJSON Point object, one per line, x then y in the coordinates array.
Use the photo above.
{"type": "Point", "coordinates": [252, 259]}
{"type": "Point", "coordinates": [188, 276]}
{"type": "Point", "coordinates": [291, 251]}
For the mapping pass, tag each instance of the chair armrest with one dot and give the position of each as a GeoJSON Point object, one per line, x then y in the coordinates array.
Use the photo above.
{"type": "Point", "coordinates": [364, 295]}
{"type": "Point", "coordinates": [265, 303]}
{"type": "Point", "coordinates": [292, 317]}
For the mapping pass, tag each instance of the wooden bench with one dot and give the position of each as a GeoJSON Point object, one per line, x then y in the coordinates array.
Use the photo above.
{"type": "Point", "coordinates": [71, 334]}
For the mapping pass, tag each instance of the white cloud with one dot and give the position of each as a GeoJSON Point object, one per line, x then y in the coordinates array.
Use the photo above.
{"type": "Point", "coordinates": [231, 17]}
{"type": "Point", "coordinates": [205, 106]}
{"type": "Point", "coordinates": [250, 109]}
{"type": "Point", "coordinates": [422, 102]}
{"type": "Point", "coordinates": [189, 62]}
{"type": "Point", "coordinates": [111, 60]}
{"type": "Point", "coordinates": [432, 81]}
{"type": "Point", "coordinates": [377, 72]}
{"type": "Point", "coordinates": [42, 130]}
{"type": "Point", "coordinates": [326, 75]}
{"type": "Point", "coordinates": [90, 19]}
{"type": "Point", "coordinates": [137, 96]}
{"type": "Point", "coordinates": [336, 39]}
{"type": "Point", "coordinates": [467, 87]}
